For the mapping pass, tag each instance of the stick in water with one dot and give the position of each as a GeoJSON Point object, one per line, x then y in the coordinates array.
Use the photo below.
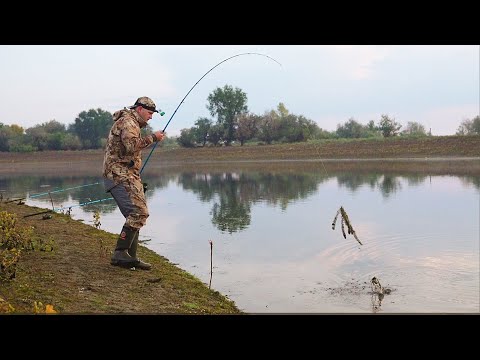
{"type": "Point", "coordinates": [211, 263]}
{"type": "Point", "coordinates": [345, 221]}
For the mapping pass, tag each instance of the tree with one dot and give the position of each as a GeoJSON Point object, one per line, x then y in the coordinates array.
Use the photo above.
{"type": "Point", "coordinates": [372, 130]}
{"type": "Point", "coordinates": [476, 125]}
{"type": "Point", "coordinates": [246, 127]}
{"type": "Point", "coordinates": [203, 125]}
{"type": "Point", "coordinates": [71, 142]}
{"type": "Point", "coordinates": [187, 138]}
{"type": "Point", "coordinates": [295, 128]}
{"type": "Point", "coordinates": [12, 138]}
{"type": "Point", "coordinates": [215, 134]}
{"type": "Point", "coordinates": [50, 135]}
{"type": "Point", "coordinates": [37, 137]}
{"type": "Point", "coordinates": [469, 127]}
{"type": "Point", "coordinates": [53, 126]}
{"type": "Point", "coordinates": [414, 129]}
{"type": "Point", "coordinates": [388, 127]}
{"type": "Point", "coordinates": [16, 130]}
{"type": "Point", "coordinates": [351, 129]}
{"type": "Point", "coordinates": [5, 134]}
{"type": "Point", "coordinates": [226, 104]}
{"type": "Point", "coordinates": [282, 110]}
{"type": "Point", "coordinates": [268, 128]}
{"type": "Point", "coordinates": [91, 127]}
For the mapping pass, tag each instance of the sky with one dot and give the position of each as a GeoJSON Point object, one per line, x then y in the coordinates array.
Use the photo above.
{"type": "Point", "coordinates": [434, 85]}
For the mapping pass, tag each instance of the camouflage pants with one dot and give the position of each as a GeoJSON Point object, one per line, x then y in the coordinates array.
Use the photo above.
{"type": "Point", "coordinates": [131, 201]}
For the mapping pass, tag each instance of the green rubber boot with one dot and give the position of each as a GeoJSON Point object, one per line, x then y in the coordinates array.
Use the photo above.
{"type": "Point", "coordinates": [133, 253]}
{"type": "Point", "coordinates": [121, 257]}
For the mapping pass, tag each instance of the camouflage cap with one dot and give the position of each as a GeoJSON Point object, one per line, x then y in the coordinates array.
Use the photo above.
{"type": "Point", "coordinates": [146, 103]}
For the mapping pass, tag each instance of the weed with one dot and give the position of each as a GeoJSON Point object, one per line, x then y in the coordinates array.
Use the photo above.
{"type": "Point", "coordinates": [38, 308]}
{"type": "Point", "coordinates": [96, 219]}
{"type": "Point", "coordinates": [6, 307]}
{"type": "Point", "coordinates": [14, 239]}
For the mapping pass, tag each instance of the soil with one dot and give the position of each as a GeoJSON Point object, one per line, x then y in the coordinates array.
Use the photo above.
{"type": "Point", "coordinates": [76, 276]}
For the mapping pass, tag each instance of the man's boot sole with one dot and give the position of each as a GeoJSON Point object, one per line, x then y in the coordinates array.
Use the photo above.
{"type": "Point", "coordinates": [143, 265]}
{"type": "Point", "coordinates": [124, 264]}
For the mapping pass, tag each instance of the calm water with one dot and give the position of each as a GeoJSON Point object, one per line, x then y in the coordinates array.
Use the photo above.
{"type": "Point", "coordinates": [274, 249]}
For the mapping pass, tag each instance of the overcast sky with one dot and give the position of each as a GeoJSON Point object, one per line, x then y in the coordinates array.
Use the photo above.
{"type": "Point", "coordinates": [436, 86]}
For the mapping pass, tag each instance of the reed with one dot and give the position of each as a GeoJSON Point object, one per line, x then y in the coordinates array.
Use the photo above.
{"type": "Point", "coordinates": [211, 263]}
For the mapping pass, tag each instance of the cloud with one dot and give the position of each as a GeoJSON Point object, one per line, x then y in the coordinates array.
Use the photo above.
{"type": "Point", "coordinates": [359, 61]}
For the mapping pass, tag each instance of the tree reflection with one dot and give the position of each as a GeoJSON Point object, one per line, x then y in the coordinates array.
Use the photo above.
{"type": "Point", "coordinates": [230, 215]}
{"type": "Point", "coordinates": [232, 193]}
{"type": "Point", "coordinates": [386, 183]}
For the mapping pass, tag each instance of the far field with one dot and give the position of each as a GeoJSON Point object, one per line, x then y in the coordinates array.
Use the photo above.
{"type": "Point", "coordinates": [437, 146]}
{"type": "Point", "coordinates": [453, 151]}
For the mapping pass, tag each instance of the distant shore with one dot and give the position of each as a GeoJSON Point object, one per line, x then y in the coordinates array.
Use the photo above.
{"type": "Point", "coordinates": [437, 146]}
{"type": "Point", "coordinates": [457, 153]}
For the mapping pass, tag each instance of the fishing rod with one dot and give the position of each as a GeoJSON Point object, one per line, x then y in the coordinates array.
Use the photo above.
{"type": "Point", "coordinates": [168, 122]}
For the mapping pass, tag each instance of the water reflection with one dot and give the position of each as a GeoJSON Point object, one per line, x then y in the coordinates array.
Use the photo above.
{"type": "Point", "coordinates": [231, 194]}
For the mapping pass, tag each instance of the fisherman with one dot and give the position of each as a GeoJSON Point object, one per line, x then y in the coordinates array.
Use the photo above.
{"type": "Point", "coordinates": [121, 172]}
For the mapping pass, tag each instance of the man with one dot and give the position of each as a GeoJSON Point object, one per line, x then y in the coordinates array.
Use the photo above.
{"type": "Point", "coordinates": [121, 172]}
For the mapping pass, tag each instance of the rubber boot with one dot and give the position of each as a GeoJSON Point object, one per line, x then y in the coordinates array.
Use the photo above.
{"type": "Point", "coordinates": [121, 257]}
{"type": "Point", "coordinates": [133, 253]}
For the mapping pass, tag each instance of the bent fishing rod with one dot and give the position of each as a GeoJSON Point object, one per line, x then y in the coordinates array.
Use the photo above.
{"type": "Point", "coordinates": [168, 122]}
{"type": "Point", "coordinates": [181, 102]}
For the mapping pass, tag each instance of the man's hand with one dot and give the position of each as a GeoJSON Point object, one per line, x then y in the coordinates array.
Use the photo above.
{"type": "Point", "coordinates": [159, 135]}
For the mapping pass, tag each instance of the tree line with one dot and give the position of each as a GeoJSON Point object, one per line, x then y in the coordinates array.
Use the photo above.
{"type": "Point", "coordinates": [89, 131]}
{"type": "Point", "coordinates": [235, 123]}
{"type": "Point", "coordinates": [231, 122]}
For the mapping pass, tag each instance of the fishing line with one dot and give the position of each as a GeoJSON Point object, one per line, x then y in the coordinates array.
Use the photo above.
{"type": "Point", "coordinates": [60, 190]}
{"type": "Point", "coordinates": [82, 204]}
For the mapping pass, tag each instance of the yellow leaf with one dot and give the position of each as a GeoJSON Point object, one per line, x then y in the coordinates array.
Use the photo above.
{"type": "Point", "coordinates": [49, 309]}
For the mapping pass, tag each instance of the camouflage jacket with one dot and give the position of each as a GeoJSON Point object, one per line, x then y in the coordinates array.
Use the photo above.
{"type": "Point", "coordinates": [123, 157]}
